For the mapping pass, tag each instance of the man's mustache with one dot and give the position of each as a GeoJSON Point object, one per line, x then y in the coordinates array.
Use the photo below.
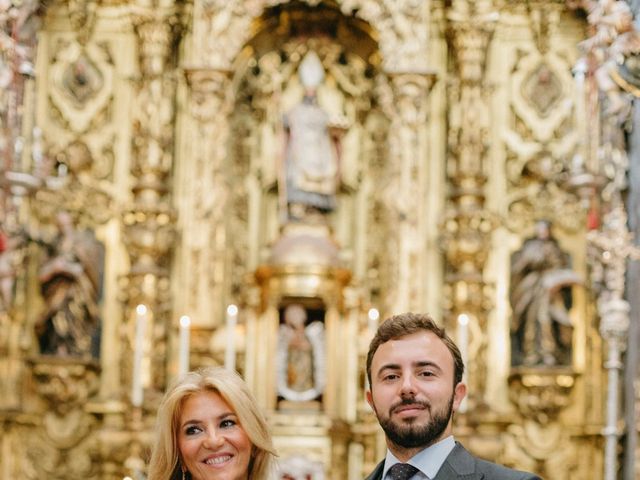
{"type": "Point", "coordinates": [409, 401]}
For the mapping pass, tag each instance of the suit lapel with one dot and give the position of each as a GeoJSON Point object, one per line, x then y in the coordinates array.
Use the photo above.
{"type": "Point", "coordinates": [459, 465]}
{"type": "Point", "coordinates": [377, 472]}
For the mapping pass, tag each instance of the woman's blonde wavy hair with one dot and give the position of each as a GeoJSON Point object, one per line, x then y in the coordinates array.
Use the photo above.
{"type": "Point", "coordinates": [165, 457]}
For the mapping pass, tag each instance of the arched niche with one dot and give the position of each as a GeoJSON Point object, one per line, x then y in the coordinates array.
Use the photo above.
{"type": "Point", "coordinates": [266, 85]}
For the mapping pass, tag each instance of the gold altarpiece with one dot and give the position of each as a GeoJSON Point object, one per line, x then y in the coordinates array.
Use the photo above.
{"type": "Point", "coordinates": [162, 128]}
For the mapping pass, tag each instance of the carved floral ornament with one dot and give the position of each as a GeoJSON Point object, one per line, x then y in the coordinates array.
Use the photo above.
{"type": "Point", "coordinates": [541, 395]}
{"type": "Point", "coordinates": [65, 383]}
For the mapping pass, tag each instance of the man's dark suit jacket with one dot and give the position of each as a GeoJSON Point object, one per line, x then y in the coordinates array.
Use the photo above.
{"type": "Point", "coordinates": [460, 464]}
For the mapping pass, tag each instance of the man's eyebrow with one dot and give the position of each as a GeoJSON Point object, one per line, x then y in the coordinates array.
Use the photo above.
{"type": "Point", "coordinates": [388, 366]}
{"type": "Point", "coordinates": [427, 363]}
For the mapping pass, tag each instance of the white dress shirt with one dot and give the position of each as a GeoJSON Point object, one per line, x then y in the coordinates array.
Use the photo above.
{"type": "Point", "coordinates": [427, 461]}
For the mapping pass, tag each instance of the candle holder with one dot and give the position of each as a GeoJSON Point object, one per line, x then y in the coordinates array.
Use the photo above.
{"type": "Point", "coordinates": [134, 464]}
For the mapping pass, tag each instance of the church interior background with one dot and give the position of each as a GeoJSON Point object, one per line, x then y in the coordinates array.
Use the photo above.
{"type": "Point", "coordinates": [474, 159]}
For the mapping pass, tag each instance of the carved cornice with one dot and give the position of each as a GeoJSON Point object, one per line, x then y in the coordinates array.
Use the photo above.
{"type": "Point", "coordinates": [222, 28]}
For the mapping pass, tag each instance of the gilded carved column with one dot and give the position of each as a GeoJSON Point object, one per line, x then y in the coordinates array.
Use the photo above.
{"type": "Point", "coordinates": [467, 222]}
{"type": "Point", "coordinates": [406, 190]}
{"type": "Point", "coordinates": [206, 194]}
{"type": "Point", "coordinates": [149, 229]}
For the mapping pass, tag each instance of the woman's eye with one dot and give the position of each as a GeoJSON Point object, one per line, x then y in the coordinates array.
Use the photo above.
{"type": "Point", "coordinates": [192, 430]}
{"type": "Point", "coordinates": [228, 423]}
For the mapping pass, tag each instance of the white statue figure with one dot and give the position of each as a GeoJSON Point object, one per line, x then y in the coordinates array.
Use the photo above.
{"type": "Point", "coordinates": [301, 356]}
{"type": "Point", "coordinates": [312, 150]}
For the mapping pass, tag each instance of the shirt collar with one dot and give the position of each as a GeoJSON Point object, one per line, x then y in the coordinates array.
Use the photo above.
{"type": "Point", "coordinates": [428, 461]}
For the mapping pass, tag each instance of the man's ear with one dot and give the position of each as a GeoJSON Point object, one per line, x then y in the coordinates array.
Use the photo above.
{"type": "Point", "coordinates": [369, 398]}
{"type": "Point", "coordinates": [459, 392]}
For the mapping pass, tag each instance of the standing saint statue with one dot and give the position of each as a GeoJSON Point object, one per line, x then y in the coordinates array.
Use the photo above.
{"type": "Point", "coordinates": [309, 177]}
{"type": "Point", "coordinates": [541, 297]}
{"type": "Point", "coordinates": [300, 356]}
{"type": "Point", "coordinates": [71, 286]}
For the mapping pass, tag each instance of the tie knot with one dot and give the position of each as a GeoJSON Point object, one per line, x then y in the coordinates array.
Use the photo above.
{"type": "Point", "coordinates": [402, 471]}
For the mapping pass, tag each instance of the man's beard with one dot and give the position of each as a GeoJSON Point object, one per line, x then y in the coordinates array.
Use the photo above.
{"type": "Point", "coordinates": [411, 435]}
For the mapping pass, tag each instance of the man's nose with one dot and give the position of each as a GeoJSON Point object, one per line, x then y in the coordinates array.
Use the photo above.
{"type": "Point", "coordinates": [408, 386]}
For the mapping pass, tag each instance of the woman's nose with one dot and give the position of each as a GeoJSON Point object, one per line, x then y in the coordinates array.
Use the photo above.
{"type": "Point", "coordinates": [213, 440]}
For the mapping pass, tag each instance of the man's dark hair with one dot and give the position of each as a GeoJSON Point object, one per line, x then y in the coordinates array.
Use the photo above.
{"type": "Point", "coordinates": [404, 324]}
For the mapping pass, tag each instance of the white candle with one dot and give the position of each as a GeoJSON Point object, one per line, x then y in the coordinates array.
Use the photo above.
{"type": "Point", "coordinates": [372, 324]}
{"type": "Point", "coordinates": [230, 352]}
{"type": "Point", "coordinates": [138, 355]}
{"type": "Point", "coordinates": [183, 351]}
{"type": "Point", "coordinates": [463, 345]}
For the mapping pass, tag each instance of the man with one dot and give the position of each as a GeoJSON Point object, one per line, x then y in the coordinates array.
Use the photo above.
{"type": "Point", "coordinates": [415, 373]}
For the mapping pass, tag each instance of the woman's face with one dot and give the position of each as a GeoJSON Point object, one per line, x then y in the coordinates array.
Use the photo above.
{"type": "Point", "coordinates": [212, 443]}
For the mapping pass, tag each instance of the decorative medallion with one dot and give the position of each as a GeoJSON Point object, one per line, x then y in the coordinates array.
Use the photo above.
{"type": "Point", "coordinates": [82, 80]}
{"type": "Point", "coordinates": [538, 84]}
{"type": "Point", "coordinates": [542, 89]}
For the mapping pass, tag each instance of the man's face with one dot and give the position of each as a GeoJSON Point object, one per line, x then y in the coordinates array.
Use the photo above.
{"type": "Point", "coordinates": [412, 391]}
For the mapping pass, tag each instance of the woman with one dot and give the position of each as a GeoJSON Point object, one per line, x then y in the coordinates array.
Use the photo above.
{"type": "Point", "coordinates": [209, 427]}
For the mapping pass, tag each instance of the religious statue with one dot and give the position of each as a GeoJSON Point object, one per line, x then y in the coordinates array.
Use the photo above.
{"type": "Point", "coordinates": [300, 356]}
{"type": "Point", "coordinates": [10, 257]}
{"type": "Point", "coordinates": [309, 176]}
{"type": "Point", "coordinates": [71, 285]}
{"type": "Point", "coordinates": [541, 297]}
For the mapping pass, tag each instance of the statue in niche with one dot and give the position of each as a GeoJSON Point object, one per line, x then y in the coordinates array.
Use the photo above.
{"type": "Point", "coordinates": [300, 356]}
{"type": "Point", "coordinates": [71, 285]}
{"type": "Point", "coordinates": [11, 248]}
{"type": "Point", "coordinates": [541, 297]}
{"type": "Point", "coordinates": [309, 176]}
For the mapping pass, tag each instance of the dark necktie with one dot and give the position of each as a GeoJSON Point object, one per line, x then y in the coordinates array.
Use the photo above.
{"type": "Point", "coordinates": [402, 471]}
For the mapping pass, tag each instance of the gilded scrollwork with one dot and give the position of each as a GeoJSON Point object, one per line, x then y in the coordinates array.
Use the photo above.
{"type": "Point", "coordinates": [543, 137]}
{"type": "Point", "coordinates": [541, 397]}
{"type": "Point", "coordinates": [65, 445]}
{"type": "Point", "coordinates": [403, 27]}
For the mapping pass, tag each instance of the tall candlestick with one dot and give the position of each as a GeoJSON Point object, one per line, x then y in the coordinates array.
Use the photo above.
{"type": "Point", "coordinates": [463, 345]}
{"type": "Point", "coordinates": [138, 355]}
{"type": "Point", "coordinates": [230, 352]}
{"type": "Point", "coordinates": [372, 325]}
{"type": "Point", "coordinates": [183, 351]}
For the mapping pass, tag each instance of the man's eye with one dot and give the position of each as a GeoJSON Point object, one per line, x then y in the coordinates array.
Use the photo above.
{"type": "Point", "coordinates": [192, 430]}
{"type": "Point", "coordinates": [391, 376]}
{"type": "Point", "coordinates": [228, 423]}
{"type": "Point", "coordinates": [426, 373]}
